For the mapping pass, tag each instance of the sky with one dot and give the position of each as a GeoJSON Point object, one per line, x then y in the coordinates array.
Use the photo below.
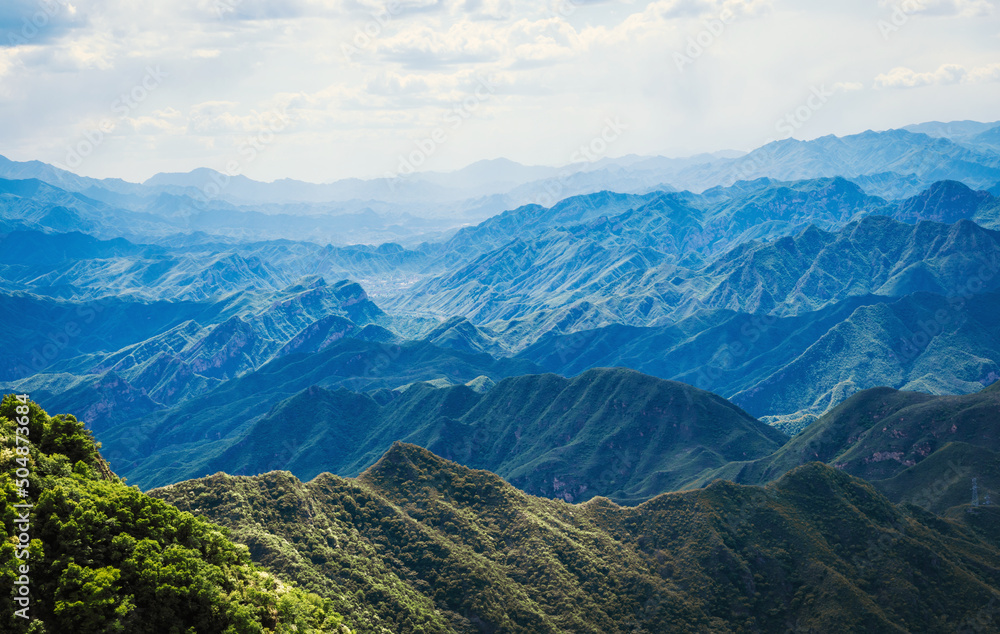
{"type": "Point", "coordinates": [320, 90]}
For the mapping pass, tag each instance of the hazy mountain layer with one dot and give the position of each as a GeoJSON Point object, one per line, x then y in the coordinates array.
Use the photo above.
{"type": "Point", "coordinates": [78, 266]}
{"type": "Point", "coordinates": [668, 258]}
{"type": "Point", "coordinates": [894, 151]}
{"type": "Point", "coordinates": [408, 208]}
{"type": "Point", "coordinates": [793, 369]}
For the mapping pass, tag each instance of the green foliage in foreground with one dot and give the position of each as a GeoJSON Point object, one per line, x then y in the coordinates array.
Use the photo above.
{"type": "Point", "coordinates": [104, 557]}
{"type": "Point", "coordinates": [420, 544]}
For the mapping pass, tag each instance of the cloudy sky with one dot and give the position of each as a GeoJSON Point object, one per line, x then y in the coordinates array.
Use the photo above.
{"type": "Point", "coordinates": [326, 89]}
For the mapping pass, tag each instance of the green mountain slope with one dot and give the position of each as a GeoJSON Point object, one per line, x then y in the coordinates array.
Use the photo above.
{"type": "Point", "coordinates": [431, 546]}
{"type": "Point", "coordinates": [174, 443]}
{"type": "Point", "coordinates": [914, 447]}
{"type": "Point", "coordinates": [103, 557]}
{"type": "Point", "coordinates": [615, 433]}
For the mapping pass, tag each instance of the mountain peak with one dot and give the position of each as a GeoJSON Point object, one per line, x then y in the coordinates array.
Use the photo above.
{"type": "Point", "coordinates": [403, 463]}
{"type": "Point", "coordinates": [199, 177]}
{"type": "Point", "coordinates": [945, 201]}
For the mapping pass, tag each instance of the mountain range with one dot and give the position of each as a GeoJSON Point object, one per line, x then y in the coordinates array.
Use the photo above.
{"type": "Point", "coordinates": [417, 543]}
{"type": "Point", "coordinates": [736, 392]}
{"type": "Point", "coordinates": [784, 317]}
{"type": "Point", "coordinates": [615, 433]}
{"type": "Point", "coordinates": [426, 545]}
{"type": "Point", "coordinates": [412, 208]}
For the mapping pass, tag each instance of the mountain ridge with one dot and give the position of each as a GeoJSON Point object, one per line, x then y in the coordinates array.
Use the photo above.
{"type": "Point", "coordinates": [678, 561]}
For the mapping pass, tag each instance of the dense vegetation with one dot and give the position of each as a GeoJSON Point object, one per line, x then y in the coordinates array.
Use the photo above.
{"type": "Point", "coordinates": [610, 432]}
{"type": "Point", "coordinates": [104, 557]}
{"type": "Point", "coordinates": [420, 544]}
{"type": "Point", "coordinates": [914, 447]}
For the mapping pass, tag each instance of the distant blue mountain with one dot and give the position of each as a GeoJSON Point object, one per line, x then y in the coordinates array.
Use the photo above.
{"type": "Point", "coordinates": [425, 206]}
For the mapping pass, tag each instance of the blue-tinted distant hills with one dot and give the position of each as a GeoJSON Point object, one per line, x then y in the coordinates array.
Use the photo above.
{"type": "Point", "coordinates": [960, 131]}
{"type": "Point", "coordinates": [670, 254]}
{"type": "Point", "coordinates": [785, 280]}
{"type": "Point", "coordinates": [426, 206]}
{"type": "Point", "coordinates": [674, 262]}
{"type": "Point", "coordinates": [899, 153]}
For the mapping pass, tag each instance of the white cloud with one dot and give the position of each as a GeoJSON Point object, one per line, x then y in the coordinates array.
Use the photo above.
{"type": "Point", "coordinates": [424, 47]}
{"type": "Point", "coordinates": [848, 86]}
{"type": "Point", "coordinates": [167, 121]}
{"type": "Point", "coordinates": [489, 9]}
{"type": "Point", "coordinates": [984, 73]}
{"type": "Point", "coordinates": [902, 77]}
{"type": "Point", "coordinates": [746, 7]}
{"type": "Point", "coordinates": [558, 74]}
{"type": "Point", "coordinates": [8, 59]}
{"type": "Point", "coordinates": [962, 8]}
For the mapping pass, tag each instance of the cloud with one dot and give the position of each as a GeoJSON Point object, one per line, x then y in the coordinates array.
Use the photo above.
{"type": "Point", "coordinates": [848, 86]}
{"type": "Point", "coordinates": [425, 47]}
{"type": "Point", "coordinates": [220, 118]}
{"type": "Point", "coordinates": [391, 83]}
{"type": "Point", "coordinates": [248, 10]}
{"type": "Point", "coordinates": [88, 52]}
{"type": "Point", "coordinates": [166, 121]}
{"type": "Point", "coordinates": [902, 77]}
{"type": "Point", "coordinates": [984, 73]}
{"type": "Point", "coordinates": [745, 7]}
{"type": "Point", "coordinates": [489, 9]}
{"type": "Point", "coordinates": [8, 59]}
{"type": "Point", "coordinates": [961, 8]}
{"type": "Point", "coordinates": [492, 31]}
